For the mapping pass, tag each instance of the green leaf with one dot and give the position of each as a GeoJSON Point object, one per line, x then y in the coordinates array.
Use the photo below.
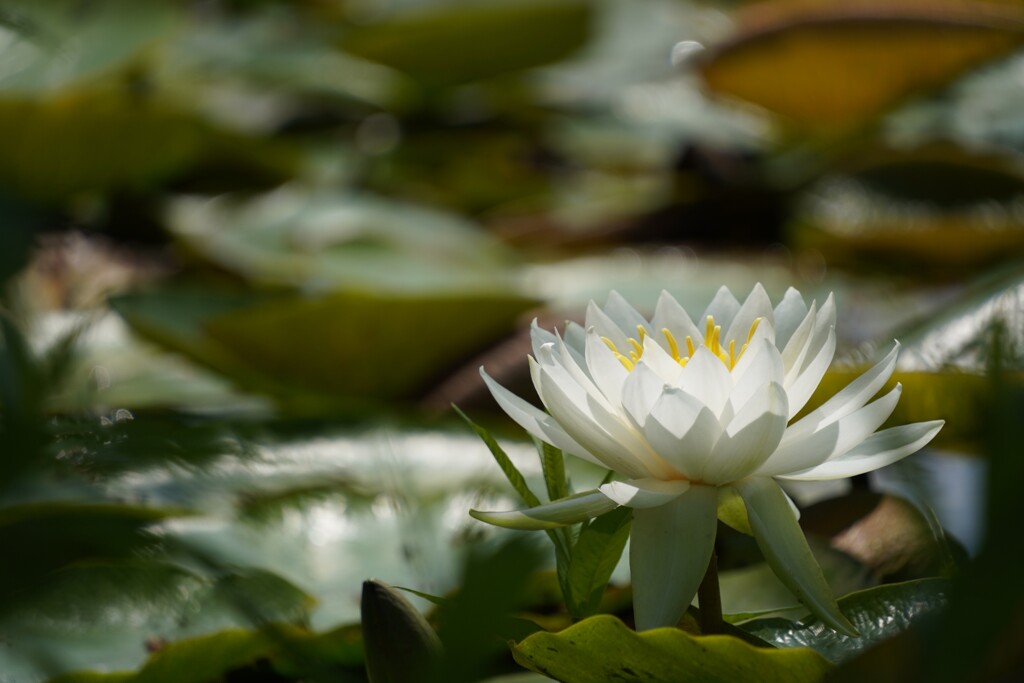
{"type": "Point", "coordinates": [512, 473]}
{"type": "Point", "coordinates": [878, 613]}
{"type": "Point", "coordinates": [602, 649]}
{"type": "Point", "coordinates": [594, 557]}
{"type": "Point", "coordinates": [462, 42]}
{"type": "Point", "coordinates": [553, 465]}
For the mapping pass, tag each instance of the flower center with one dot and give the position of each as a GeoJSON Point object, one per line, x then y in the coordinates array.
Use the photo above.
{"type": "Point", "coordinates": [712, 340]}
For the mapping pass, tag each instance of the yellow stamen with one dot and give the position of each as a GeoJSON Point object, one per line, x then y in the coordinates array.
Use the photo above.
{"type": "Point", "coordinates": [673, 345]}
{"type": "Point", "coordinates": [641, 333]}
{"type": "Point", "coordinates": [753, 329]}
{"type": "Point", "coordinates": [637, 348]}
{"type": "Point", "coordinates": [626, 362]}
{"type": "Point", "coordinates": [732, 353]}
{"type": "Point", "coordinates": [690, 348]}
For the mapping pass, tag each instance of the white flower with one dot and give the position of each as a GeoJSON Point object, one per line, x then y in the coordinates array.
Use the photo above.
{"type": "Point", "coordinates": [690, 415]}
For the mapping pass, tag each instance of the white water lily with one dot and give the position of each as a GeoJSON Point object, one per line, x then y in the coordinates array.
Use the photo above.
{"type": "Point", "coordinates": [691, 415]}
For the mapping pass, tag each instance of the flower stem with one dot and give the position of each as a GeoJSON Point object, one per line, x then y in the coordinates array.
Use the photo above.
{"type": "Point", "coordinates": [709, 596]}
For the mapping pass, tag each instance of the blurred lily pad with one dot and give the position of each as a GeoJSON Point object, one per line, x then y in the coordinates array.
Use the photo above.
{"type": "Point", "coordinates": [47, 46]}
{"type": "Point", "coordinates": [857, 59]}
{"type": "Point", "coordinates": [937, 209]}
{"type": "Point", "coordinates": [344, 348]}
{"type": "Point", "coordinates": [321, 241]}
{"type": "Point", "coordinates": [454, 43]}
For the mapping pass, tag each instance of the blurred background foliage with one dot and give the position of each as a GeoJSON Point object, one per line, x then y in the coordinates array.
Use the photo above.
{"type": "Point", "coordinates": [252, 250]}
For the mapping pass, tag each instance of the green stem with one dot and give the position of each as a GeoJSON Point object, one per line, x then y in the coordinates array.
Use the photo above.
{"type": "Point", "coordinates": [709, 596]}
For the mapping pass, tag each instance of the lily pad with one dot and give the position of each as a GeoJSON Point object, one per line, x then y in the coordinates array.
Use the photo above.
{"type": "Point", "coordinates": [602, 649]}
{"type": "Point", "coordinates": [461, 42]}
{"type": "Point", "coordinates": [858, 60]}
{"type": "Point", "coordinates": [878, 613]}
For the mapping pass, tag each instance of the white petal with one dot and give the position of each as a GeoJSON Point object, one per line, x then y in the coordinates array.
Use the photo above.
{"type": "Point", "coordinates": [807, 381]}
{"type": "Point", "coordinates": [757, 305]}
{"type": "Point", "coordinates": [644, 493]}
{"type": "Point", "coordinates": [640, 392]}
{"type": "Point", "coordinates": [723, 308]}
{"type": "Point", "coordinates": [597, 429]}
{"type": "Point", "coordinates": [607, 371]}
{"type": "Point", "coordinates": [606, 327]}
{"type": "Point", "coordinates": [682, 430]}
{"type": "Point", "coordinates": [669, 315]}
{"type": "Point", "coordinates": [575, 337]}
{"type": "Point", "coordinates": [669, 550]}
{"type": "Point", "coordinates": [539, 336]}
{"type": "Point", "coordinates": [785, 548]}
{"type": "Point", "coordinates": [760, 365]}
{"type": "Point", "coordinates": [824, 323]}
{"type": "Point", "coordinates": [624, 315]}
{"type": "Point", "coordinates": [659, 360]}
{"type": "Point", "coordinates": [851, 398]}
{"type": "Point", "coordinates": [706, 377]}
{"type": "Point", "coordinates": [749, 438]}
{"type": "Point", "coordinates": [536, 422]}
{"type": "Point", "coordinates": [800, 453]}
{"type": "Point", "coordinates": [787, 315]}
{"type": "Point", "coordinates": [795, 350]}
{"type": "Point", "coordinates": [557, 513]}
{"type": "Point", "coordinates": [884, 448]}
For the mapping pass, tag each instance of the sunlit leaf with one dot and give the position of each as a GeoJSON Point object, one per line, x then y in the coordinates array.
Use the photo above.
{"type": "Point", "coordinates": [857, 59]}
{"type": "Point", "coordinates": [878, 613]}
{"type": "Point", "coordinates": [602, 649]}
{"type": "Point", "coordinates": [594, 556]}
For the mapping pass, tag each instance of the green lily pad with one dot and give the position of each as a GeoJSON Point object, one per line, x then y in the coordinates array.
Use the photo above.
{"type": "Point", "coordinates": [878, 613]}
{"type": "Point", "coordinates": [459, 42]}
{"type": "Point", "coordinates": [602, 649]}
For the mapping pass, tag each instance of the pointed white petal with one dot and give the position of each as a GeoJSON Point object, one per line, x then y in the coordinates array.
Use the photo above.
{"type": "Point", "coordinates": [750, 438]}
{"type": "Point", "coordinates": [787, 315]}
{"type": "Point", "coordinates": [884, 448]}
{"type": "Point", "coordinates": [851, 398]}
{"type": "Point", "coordinates": [568, 403]}
{"type": "Point", "coordinates": [605, 368]}
{"type": "Point", "coordinates": [575, 337]}
{"type": "Point", "coordinates": [606, 327]}
{"type": "Point", "coordinates": [797, 454]}
{"type": "Point", "coordinates": [535, 421]}
{"type": "Point", "coordinates": [640, 392]}
{"type": "Point", "coordinates": [683, 431]}
{"type": "Point", "coordinates": [706, 377]}
{"type": "Point", "coordinates": [624, 315]}
{"type": "Point", "coordinates": [644, 493]}
{"type": "Point", "coordinates": [723, 307]}
{"type": "Point", "coordinates": [807, 381]}
{"type": "Point", "coordinates": [539, 336]}
{"type": "Point", "coordinates": [784, 546]}
{"type": "Point", "coordinates": [669, 315]}
{"type": "Point", "coordinates": [659, 360]}
{"type": "Point", "coordinates": [824, 323]}
{"type": "Point", "coordinates": [757, 305]}
{"type": "Point", "coordinates": [760, 365]}
{"type": "Point", "coordinates": [669, 550]}
{"type": "Point", "coordinates": [557, 513]}
{"type": "Point", "coordinates": [795, 350]}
